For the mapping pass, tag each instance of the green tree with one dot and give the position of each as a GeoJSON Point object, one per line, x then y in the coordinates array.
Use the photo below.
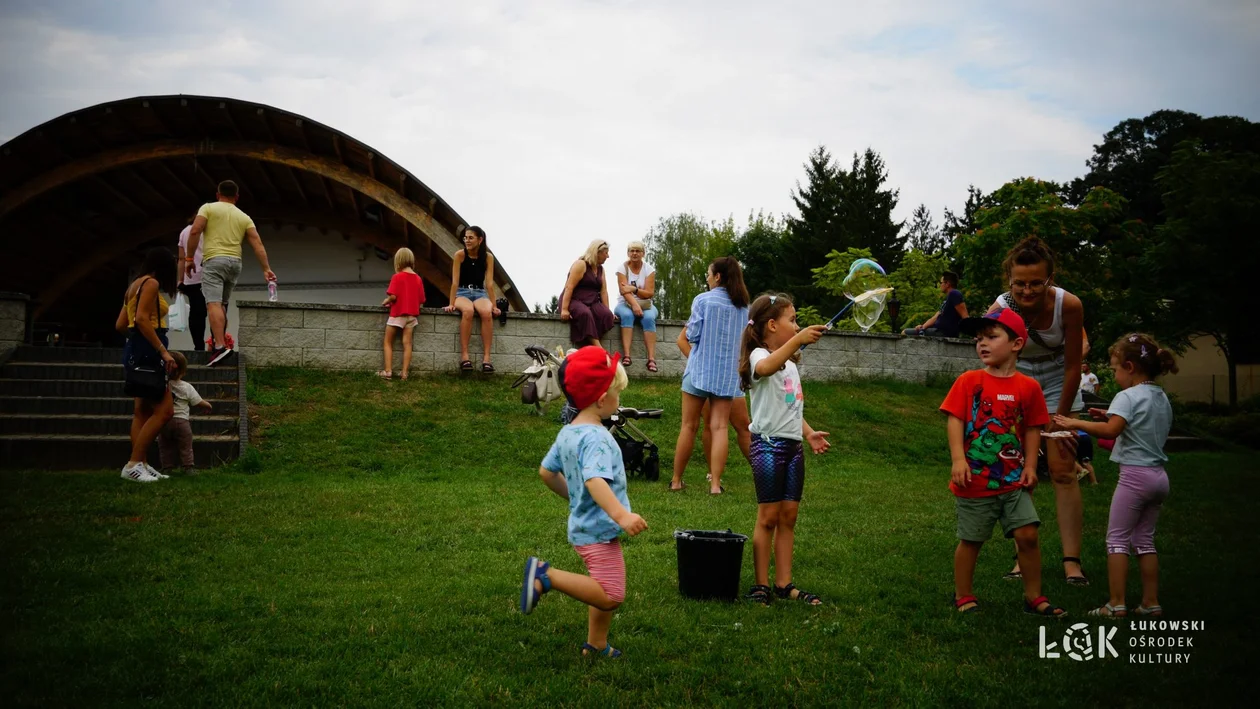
{"type": "Point", "coordinates": [1198, 271]}
{"type": "Point", "coordinates": [762, 251]}
{"type": "Point", "coordinates": [816, 230]}
{"type": "Point", "coordinates": [866, 208]}
{"type": "Point", "coordinates": [681, 247]}
{"type": "Point", "coordinates": [550, 308]}
{"type": "Point", "coordinates": [829, 278]}
{"type": "Point", "coordinates": [923, 234]}
{"type": "Point", "coordinates": [954, 224]}
{"type": "Point", "coordinates": [917, 283]}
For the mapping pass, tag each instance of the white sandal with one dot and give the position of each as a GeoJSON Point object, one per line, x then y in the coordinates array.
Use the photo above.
{"type": "Point", "coordinates": [1109, 611]}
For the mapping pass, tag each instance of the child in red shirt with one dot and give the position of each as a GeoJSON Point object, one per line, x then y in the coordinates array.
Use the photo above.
{"type": "Point", "coordinates": [405, 296]}
{"type": "Point", "coordinates": [994, 427]}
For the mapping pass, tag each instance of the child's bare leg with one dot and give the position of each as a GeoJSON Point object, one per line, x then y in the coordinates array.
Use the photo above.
{"type": "Point", "coordinates": [763, 541]}
{"type": "Point", "coordinates": [597, 628]}
{"type": "Point", "coordinates": [389, 349]}
{"type": "Point", "coordinates": [965, 556]}
{"type": "Point", "coordinates": [579, 587]}
{"type": "Point", "coordinates": [407, 333]}
{"type": "Point", "coordinates": [1117, 577]}
{"type": "Point", "coordinates": [1148, 565]}
{"type": "Point", "coordinates": [1089, 468]}
{"type": "Point", "coordinates": [1029, 550]}
{"type": "Point", "coordinates": [783, 542]}
{"type": "Point", "coordinates": [719, 419]}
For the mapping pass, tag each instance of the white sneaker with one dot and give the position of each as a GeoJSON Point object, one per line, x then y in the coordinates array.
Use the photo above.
{"type": "Point", "coordinates": [157, 474]}
{"type": "Point", "coordinates": [137, 473]}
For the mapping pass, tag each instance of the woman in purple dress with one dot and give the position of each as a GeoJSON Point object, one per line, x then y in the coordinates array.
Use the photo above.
{"type": "Point", "coordinates": [584, 303]}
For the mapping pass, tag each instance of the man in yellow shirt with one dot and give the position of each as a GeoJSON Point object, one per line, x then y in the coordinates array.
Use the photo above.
{"type": "Point", "coordinates": [225, 227]}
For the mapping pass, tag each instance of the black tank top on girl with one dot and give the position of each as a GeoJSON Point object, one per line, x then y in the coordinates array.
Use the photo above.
{"type": "Point", "coordinates": [472, 272]}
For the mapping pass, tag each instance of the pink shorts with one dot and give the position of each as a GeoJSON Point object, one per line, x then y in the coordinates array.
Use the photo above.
{"type": "Point", "coordinates": [403, 321]}
{"type": "Point", "coordinates": [607, 566]}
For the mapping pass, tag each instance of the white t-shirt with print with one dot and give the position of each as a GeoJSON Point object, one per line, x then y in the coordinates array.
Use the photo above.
{"type": "Point", "coordinates": [185, 397]}
{"type": "Point", "coordinates": [1089, 382]}
{"type": "Point", "coordinates": [776, 402]}
{"type": "Point", "coordinates": [638, 280]}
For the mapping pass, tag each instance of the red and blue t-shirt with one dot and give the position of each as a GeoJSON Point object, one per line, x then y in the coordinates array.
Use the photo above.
{"type": "Point", "coordinates": [995, 411]}
{"type": "Point", "coordinates": [408, 292]}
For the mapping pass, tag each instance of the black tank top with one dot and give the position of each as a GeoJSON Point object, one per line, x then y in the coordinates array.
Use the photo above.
{"type": "Point", "coordinates": [472, 272]}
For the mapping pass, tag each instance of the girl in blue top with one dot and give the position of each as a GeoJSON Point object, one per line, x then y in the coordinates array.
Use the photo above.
{"type": "Point", "coordinates": [1139, 418]}
{"type": "Point", "coordinates": [717, 322]}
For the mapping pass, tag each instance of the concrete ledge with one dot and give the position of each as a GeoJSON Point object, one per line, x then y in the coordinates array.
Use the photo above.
{"type": "Point", "coordinates": [332, 336]}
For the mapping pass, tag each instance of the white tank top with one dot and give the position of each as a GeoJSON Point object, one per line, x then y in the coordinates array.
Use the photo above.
{"type": "Point", "coordinates": [1051, 343]}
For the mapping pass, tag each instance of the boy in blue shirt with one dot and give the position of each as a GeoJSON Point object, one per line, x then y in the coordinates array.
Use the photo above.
{"type": "Point", "coordinates": [585, 467]}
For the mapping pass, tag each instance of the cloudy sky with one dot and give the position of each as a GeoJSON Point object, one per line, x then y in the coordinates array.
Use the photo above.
{"type": "Point", "coordinates": [552, 123]}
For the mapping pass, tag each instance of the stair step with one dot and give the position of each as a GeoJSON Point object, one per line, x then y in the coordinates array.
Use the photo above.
{"type": "Point", "coordinates": [93, 406]}
{"type": "Point", "coordinates": [92, 425]}
{"type": "Point", "coordinates": [49, 452]}
{"type": "Point", "coordinates": [83, 388]}
{"type": "Point", "coordinates": [91, 355]}
{"type": "Point", "coordinates": [100, 372]}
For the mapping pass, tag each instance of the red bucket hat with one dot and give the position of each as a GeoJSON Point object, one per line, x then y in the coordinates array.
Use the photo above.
{"type": "Point", "coordinates": [586, 374]}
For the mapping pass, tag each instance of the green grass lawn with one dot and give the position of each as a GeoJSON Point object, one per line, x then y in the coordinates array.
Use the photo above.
{"type": "Point", "coordinates": [370, 554]}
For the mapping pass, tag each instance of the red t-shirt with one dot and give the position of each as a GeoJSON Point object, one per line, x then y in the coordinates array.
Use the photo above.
{"type": "Point", "coordinates": [995, 411]}
{"type": "Point", "coordinates": [408, 292]}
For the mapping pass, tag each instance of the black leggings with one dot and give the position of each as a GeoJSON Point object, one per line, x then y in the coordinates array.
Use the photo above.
{"type": "Point", "coordinates": [196, 315]}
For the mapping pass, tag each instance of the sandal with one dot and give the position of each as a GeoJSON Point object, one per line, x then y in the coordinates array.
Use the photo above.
{"type": "Point", "coordinates": [812, 599]}
{"type": "Point", "coordinates": [1107, 610]}
{"type": "Point", "coordinates": [1050, 610]}
{"type": "Point", "coordinates": [535, 570]}
{"type": "Point", "coordinates": [1076, 580]}
{"type": "Point", "coordinates": [651, 365]}
{"type": "Point", "coordinates": [759, 594]}
{"type": "Point", "coordinates": [465, 365]}
{"type": "Point", "coordinates": [970, 601]}
{"type": "Point", "coordinates": [625, 360]}
{"type": "Point", "coordinates": [1013, 575]}
{"type": "Point", "coordinates": [383, 374]}
{"type": "Point", "coordinates": [680, 488]}
{"type": "Point", "coordinates": [589, 650]}
{"type": "Point", "coordinates": [1157, 611]}
{"type": "Point", "coordinates": [487, 368]}
{"type": "Point", "coordinates": [403, 376]}
{"type": "Point", "coordinates": [721, 491]}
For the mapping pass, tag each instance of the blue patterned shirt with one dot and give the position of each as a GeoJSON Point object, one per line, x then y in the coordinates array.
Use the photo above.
{"type": "Point", "coordinates": [583, 452]}
{"type": "Point", "coordinates": [714, 330]}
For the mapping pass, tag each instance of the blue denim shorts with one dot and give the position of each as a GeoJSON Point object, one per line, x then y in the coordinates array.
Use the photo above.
{"type": "Point", "coordinates": [472, 294]}
{"type": "Point", "coordinates": [702, 394]}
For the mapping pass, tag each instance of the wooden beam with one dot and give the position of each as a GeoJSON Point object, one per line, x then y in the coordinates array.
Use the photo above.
{"type": "Point", "coordinates": [119, 196]}
{"type": "Point", "coordinates": [136, 175]}
{"type": "Point", "coordinates": [265, 178]}
{"type": "Point", "coordinates": [178, 180]}
{"type": "Point", "coordinates": [323, 182]}
{"type": "Point", "coordinates": [231, 121]}
{"type": "Point", "coordinates": [297, 184]}
{"type": "Point", "coordinates": [101, 252]}
{"type": "Point", "coordinates": [266, 152]}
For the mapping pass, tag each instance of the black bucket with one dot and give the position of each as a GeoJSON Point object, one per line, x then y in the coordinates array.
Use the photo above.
{"type": "Point", "coordinates": [709, 563]}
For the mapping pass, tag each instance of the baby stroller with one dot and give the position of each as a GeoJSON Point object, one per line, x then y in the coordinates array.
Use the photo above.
{"type": "Point", "coordinates": [540, 382]}
{"type": "Point", "coordinates": [638, 452]}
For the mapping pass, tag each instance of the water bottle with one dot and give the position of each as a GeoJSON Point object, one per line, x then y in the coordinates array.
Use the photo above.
{"type": "Point", "coordinates": [272, 296]}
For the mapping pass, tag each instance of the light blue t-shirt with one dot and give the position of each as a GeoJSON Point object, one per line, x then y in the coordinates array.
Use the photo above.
{"type": "Point", "coordinates": [1148, 418]}
{"type": "Point", "coordinates": [583, 452]}
{"type": "Point", "coordinates": [714, 330]}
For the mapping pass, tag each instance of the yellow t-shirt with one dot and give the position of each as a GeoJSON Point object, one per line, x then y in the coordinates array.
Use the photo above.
{"type": "Point", "coordinates": [225, 230]}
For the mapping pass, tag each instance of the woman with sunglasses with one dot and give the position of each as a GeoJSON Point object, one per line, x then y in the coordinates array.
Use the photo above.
{"type": "Point", "coordinates": [1053, 355]}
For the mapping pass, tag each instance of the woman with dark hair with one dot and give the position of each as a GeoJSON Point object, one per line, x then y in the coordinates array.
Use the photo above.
{"type": "Point", "coordinates": [1053, 354]}
{"type": "Point", "coordinates": [717, 322]}
{"type": "Point", "coordinates": [143, 320]}
{"type": "Point", "coordinates": [472, 293]}
{"type": "Point", "coordinates": [584, 302]}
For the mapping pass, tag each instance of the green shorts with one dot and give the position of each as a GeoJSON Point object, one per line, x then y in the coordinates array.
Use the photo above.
{"type": "Point", "coordinates": [976, 515]}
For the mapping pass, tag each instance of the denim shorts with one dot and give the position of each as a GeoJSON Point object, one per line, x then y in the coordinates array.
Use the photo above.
{"type": "Point", "coordinates": [472, 294]}
{"type": "Point", "coordinates": [702, 394]}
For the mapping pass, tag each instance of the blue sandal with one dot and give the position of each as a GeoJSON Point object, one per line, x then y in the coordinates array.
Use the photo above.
{"type": "Point", "coordinates": [589, 650]}
{"type": "Point", "coordinates": [534, 570]}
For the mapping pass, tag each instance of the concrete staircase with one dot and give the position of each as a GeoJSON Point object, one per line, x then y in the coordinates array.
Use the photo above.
{"type": "Point", "coordinates": [64, 408]}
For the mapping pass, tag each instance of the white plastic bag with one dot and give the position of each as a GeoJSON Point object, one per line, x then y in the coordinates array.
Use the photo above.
{"type": "Point", "coordinates": [177, 316]}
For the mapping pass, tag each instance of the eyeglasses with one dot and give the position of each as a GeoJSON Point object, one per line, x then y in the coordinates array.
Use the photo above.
{"type": "Point", "coordinates": [1032, 286]}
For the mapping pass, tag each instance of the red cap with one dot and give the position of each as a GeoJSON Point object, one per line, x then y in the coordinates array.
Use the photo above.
{"type": "Point", "coordinates": [586, 374]}
{"type": "Point", "coordinates": [1004, 316]}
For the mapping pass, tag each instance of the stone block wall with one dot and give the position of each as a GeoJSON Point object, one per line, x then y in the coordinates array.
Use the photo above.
{"type": "Point", "coordinates": [12, 321]}
{"type": "Point", "coordinates": [350, 337]}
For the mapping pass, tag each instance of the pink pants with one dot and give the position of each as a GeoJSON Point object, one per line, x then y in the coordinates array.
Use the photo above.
{"type": "Point", "coordinates": [1135, 509]}
{"type": "Point", "coordinates": [607, 566]}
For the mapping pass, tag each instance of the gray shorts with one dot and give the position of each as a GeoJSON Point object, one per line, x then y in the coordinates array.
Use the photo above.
{"type": "Point", "coordinates": [218, 278]}
{"type": "Point", "coordinates": [976, 515]}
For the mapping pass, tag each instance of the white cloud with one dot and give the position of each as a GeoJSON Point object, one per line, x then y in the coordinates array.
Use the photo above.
{"type": "Point", "coordinates": [553, 123]}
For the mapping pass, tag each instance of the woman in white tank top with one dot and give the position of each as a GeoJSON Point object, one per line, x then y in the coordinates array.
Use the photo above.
{"type": "Point", "coordinates": [1053, 355]}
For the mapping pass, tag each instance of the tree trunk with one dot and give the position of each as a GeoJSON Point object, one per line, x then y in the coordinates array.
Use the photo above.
{"type": "Point", "coordinates": [1233, 380]}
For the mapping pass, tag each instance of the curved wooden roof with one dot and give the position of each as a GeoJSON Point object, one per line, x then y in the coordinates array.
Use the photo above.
{"type": "Point", "coordinates": [82, 189]}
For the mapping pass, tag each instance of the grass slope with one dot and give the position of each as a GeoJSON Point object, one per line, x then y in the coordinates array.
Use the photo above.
{"type": "Point", "coordinates": [375, 558]}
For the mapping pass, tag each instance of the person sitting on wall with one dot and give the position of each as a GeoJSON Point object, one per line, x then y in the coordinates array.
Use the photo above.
{"type": "Point", "coordinates": [472, 293]}
{"type": "Point", "coordinates": [944, 322]}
